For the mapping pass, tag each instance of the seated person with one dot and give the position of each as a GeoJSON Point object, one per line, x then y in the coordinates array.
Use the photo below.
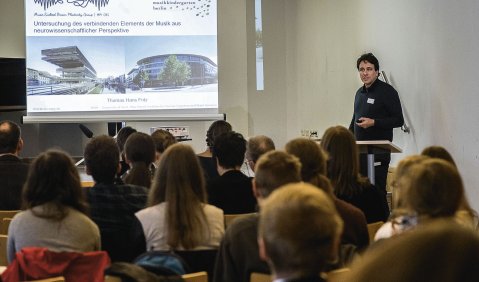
{"type": "Point", "coordinates": [140, 156]}
{"type": "Point", "coordinates": [256, 147]}
{"type": "Point", "coordinates": [113, 206]}
{"type": "Point", "coordinates": [177, 216]}
{"type": "Point", "coordinates": [313, 171]}
{"type": "Point", "coordinates": [208, 163]}
{"type": "Point", "coordinates": [162, 139]}
{"type": "Point", "coordinates": [427, 189]}
{"type": "Point", "coordinates": [120, 139]}
{"type": "Point", "coordinates": [238, 255]}
{"type": "Point", "coordinates": [232, 191]}
{"type": "Point", "coordinates": [299, 232]}
{"type": "Point", "coordinates": [13, 171]}
{"type": "Point", "coordinates": [343, 171]}
{"type": "Point", "coordinates": [55, 209]}
{"type": "Point", "coordinates": [439, 251]}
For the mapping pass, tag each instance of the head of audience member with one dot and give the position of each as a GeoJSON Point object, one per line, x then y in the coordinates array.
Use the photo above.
{"type": "Point", "coordinates": [256, 147]}
{"type": "Point", "coordinates": [343, 161]}
{"type": "Point", "coordinates": [139, 155]}
{"type": "Point", "coordinates": [121, 138]}
{"type": "Point", "coordinates": [10, 138]}
{"type": "Point", "coordinates": [102, 159]}
{"type": "Point", "coordinates": [179, 182]}
{"type": "Point", "coordinates": [53, 181]}
{"type": "Point", "coordinates": [299, 231]}
{"type": "Point", "coordinates": [438, 152]}
{"type": "Point", "coordinates": [434, 189]}
{"type": "Point", "coordinates": [466, 215]}
{"type": "Point", "coordinates": [313, 162]}
{"type": "Point", "coordinates": [441, 251]}
{"type": "Point", "coordinates": [216, 128]}
{"type": "Point", "coordinates": [229, 151]}
{"type": "Point", "coordinates": [400, 181]}
{"type": "Point", "coordinates": [275, 169]}
{"type": "Point", "coordinates": [162, 139]}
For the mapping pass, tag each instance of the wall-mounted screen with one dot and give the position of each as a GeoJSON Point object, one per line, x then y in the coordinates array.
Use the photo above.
{"type": "Point", "coordinates": [121, 56]}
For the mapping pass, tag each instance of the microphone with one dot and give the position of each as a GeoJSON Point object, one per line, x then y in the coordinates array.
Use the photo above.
{"type": "Point", "coordinates": [88, 133]}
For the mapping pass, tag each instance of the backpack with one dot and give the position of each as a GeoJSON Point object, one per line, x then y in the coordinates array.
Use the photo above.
{"type": "Point", "coordinates": [162, 263]}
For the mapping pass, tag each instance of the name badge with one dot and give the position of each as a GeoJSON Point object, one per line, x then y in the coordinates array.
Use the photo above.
{"type": "Point", "coordinates": [370, 101]}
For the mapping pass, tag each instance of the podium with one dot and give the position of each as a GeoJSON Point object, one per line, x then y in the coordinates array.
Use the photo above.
{"type": "Point", "coordinates": [372, 147]}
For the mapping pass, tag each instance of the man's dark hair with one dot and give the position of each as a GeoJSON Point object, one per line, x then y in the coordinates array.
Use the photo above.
{"type": "Point", "coordinates": [258, 146]}
{"type": "Point", "coordinates": [102, 158]}
{"type": "Point", "coordinates": [370, 58]}
{"type": "Point", "coordinates": [9, 137]}
{"type": "Point", "coordinates": [229, 149]}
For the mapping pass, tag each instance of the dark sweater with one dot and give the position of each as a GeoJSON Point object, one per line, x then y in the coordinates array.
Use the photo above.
{"type": "Point", "coordinates": [379, 102]}
{"type": "Point", "coordinates": [232, 192]}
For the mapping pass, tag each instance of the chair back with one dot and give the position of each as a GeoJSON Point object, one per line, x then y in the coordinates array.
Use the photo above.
{"type": "Point", "coordinates": [196, 277]}
{"type": "Point", "coordinates": [373, 228]}
{"type": "Point", "coordinates": [337, 275]}
{"type": "Point", "coordinates": [200, 260]}
{"type": "Point", "coordinates": [229, 218]}
{"type": "Point", "coordinates": [51, 279]}
{"type": "Point", "coordinates": [6, 214]}
{"type": "Point", "coordinates": [260, 277]}
{"type": "Point", "coordinates": [4, 225]}
{"type": "Point", "coordinates": [3, 250]}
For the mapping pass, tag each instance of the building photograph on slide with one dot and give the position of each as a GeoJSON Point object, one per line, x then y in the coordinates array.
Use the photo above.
{"type": "Point", "coordinates": [107, 58]}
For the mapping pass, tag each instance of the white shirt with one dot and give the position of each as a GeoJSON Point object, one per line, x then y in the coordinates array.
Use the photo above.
{"type": "Point", "coordinates": [153, 222]}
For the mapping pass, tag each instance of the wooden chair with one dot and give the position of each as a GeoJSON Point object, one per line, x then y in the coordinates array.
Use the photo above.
{"type": "Point", "coordinates": [337, 275]}
{"type": "Point", "coordinates": [196, 277]}
{"type": "Point", "coordinates": [199, 260]}
{"type": "Point", "coordinates": [373, 228]}
{"type": "Point", "coordinates": [110, 278]}
{"type": "Point", "coordinates": [4, 225]}
{"type": "Point", "coordinates": [6, 214]}
{"type": "Point", "coordinates": [3, 250]}
{"type": "Point", "coordinates": [51, 279]}
{"type": "Point", "coordinates": [260, 277]}
{"type": "Point", "coordinates": [229, 218]}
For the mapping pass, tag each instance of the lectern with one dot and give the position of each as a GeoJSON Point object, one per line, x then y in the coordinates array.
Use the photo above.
{"type": "Point", "coordinates": [375, 147]}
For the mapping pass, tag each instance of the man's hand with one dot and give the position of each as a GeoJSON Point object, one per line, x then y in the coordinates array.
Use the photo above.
{"type": "Point", "coordinates": [365, 122]}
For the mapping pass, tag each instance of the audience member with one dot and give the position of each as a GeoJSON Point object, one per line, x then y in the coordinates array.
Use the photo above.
{"type": "Point", "coordinates": [162, 139]}
{"type": "Point", "coordinates": [441, 251]}
{"type": "Point", "coordinates": [121, 138]}
{"type": "Point", "coordinates": [113, 206]}
{"type": "Point", "coordinates": [208, 163]}
{"type": "Point", "coordinates": [400, 220]}
{"type": "Point", "coordinates": [299, 232]}
{"type": "Point", "coordinates": [430, 189]}
{"type": "Point", "coordinates": [238, 255]}
{"type": "Point", "coordinates": [313, 170]}
{"type": "Point", "coordinates": [177, 217]}
{"type": "Point", "coordinates": [13, 171]}
{"type": "Point", "coordinates": [231, 191]}
{"type": "Point", "coordinates": [256, 147]}
{"type": "Point", "coordinates": [465, 215]}
{"type": "Point", "coordinates": [139, 155]}
{"type": "Point", "coordinates": [343, 171]}
{"type": "Point", "coordinates": [55, 209]}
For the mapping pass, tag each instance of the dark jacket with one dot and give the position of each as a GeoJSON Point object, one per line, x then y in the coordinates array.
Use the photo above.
{"type": "Point", "coordinates": [13, 174]}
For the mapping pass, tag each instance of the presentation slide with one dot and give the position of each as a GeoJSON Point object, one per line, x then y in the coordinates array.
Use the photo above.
{"type": "Point", "coordinates": [121, 55]}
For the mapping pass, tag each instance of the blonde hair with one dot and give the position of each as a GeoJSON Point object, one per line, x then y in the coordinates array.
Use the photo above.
{"type": "Point", "coordinates": [179, 182]}
{"type": "Point", "coordinates": [300, 228]}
